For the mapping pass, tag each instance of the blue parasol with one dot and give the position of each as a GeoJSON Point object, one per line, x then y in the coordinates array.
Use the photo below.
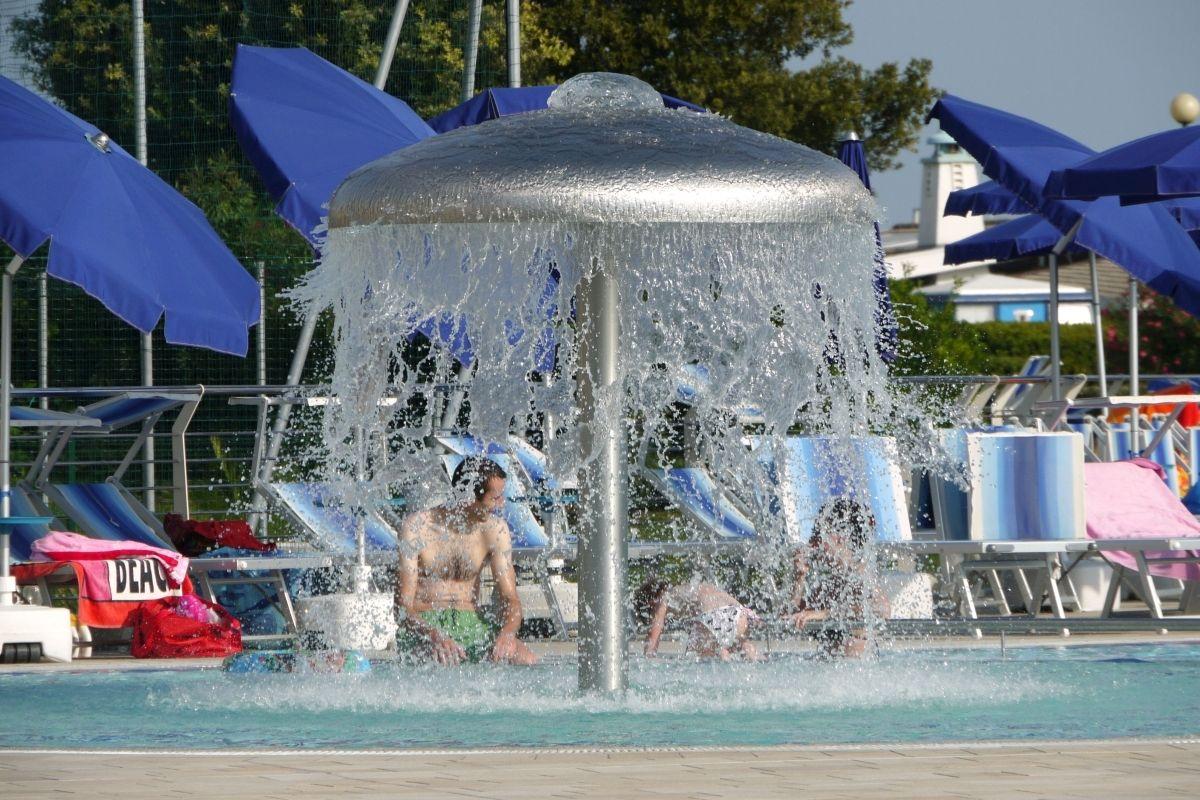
{"type": "Point", "coordinates": [988, 197]}
{"type": "Point", "coordinates": [852, 153]}
{"type": "Point", "coordinates": [1030, 235]}
{"type": "Point", "coordinates": [1020, 155]}
{"type": "Point", "coordinates": [1160, 166]}
{"type": "Point", "coordinates": [306, 124]}
{"type": "Point", "coordinates": [503, 101]}
{"type": "Point", "coordinates": [119, 232]}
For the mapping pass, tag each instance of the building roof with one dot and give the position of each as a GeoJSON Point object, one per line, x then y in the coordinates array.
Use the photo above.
{"type": "Point", "coordinates": [1113, 281]}
{"type": "Point", "coordinates": [989, 287]}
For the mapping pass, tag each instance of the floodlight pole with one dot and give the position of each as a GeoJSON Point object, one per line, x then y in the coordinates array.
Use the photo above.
{"type": "Point", "coordinates": [471, 51]}
{"type": "Point", "coordinates": [603, 549]}
{"type": "Point", "coordinates": [6, 289]}
{"type": "Point", "coordinates": [389, 44]}
{"type": "Point", "coordinates": [304, 340]}
{"type": "Point", "coordinates": [261, 339]}
{"type": "Point", "coordinates": [139, 127]}
{"type": "Point", "coordinates": [514, 43]}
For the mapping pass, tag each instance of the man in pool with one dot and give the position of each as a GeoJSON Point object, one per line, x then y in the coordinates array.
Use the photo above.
{"type": "Point", "coordinates": [442, 552]}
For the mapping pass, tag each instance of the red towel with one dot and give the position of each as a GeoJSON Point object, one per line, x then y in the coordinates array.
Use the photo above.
{"type": "Point", "coordinates": [110, 590]}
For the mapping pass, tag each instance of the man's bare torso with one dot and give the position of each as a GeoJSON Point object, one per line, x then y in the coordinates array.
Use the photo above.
{"type": "Point", "coordinates": [451, 551]}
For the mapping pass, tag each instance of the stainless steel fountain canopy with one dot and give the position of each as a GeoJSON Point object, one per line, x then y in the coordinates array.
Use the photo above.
{"type": "Point", "coordinates": [606, 160]}
{"type": "Point", "coordinates": [606, 151]}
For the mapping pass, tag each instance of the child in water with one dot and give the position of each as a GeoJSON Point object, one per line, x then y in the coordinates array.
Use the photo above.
{"type": "Point", "coordinates": [718, 623]}
{"type": "Point", "coordinates": [832, 579]}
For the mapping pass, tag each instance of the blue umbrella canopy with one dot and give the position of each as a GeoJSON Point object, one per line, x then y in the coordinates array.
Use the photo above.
{"type": "Point", "coordinates": [1156, 167]}
{"type": "Point", "coordinates": [1186, 211]}
{"type": "Point", "coordinates": [501, 102]}
{"type": "Point", "coordinates": [306, 124]}
{"type": "Point", "coordinates": [852, 153]}
{"type": "Point", "coordinates": [988, 197]}
{"type": "Point", "coordinates": [118, 231]}
{"type": "Point", "coordinates": [1029, 235]}
{"type": "Point", "coordinates": [1020, 154]}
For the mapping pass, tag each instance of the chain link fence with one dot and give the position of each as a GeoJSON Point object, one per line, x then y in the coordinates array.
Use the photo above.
{"type": "Point", "coordinates": [79, 54]}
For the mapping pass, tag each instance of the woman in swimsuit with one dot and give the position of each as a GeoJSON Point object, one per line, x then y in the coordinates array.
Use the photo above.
{"type": "Point", "coordinates": [719, 624]}
{"type": "Point", "coordinates": [833, 582]}
{"type": "Point", "coordinates": [442, 552]}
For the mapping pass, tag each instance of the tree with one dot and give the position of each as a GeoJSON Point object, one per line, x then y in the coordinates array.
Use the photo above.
{"type": "Point", "coordinates": [737, 57]}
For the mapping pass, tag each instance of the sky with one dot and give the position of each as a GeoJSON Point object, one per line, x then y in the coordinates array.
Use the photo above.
{"type": "Point", "coordinates": [1101, 71]}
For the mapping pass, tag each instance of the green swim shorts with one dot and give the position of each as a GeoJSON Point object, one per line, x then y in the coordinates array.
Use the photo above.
{"type": "Point", "coordinates": [474, 632]}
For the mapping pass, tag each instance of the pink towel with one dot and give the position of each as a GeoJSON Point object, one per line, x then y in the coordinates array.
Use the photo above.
{"type": "Point", "coordinates": [61, 546]}
{"type": "Point", "coordinates": [1130, 500]}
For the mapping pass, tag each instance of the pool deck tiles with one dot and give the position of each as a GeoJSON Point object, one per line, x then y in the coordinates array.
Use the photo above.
{"type": "Point", "coordinates": [1112, 768]}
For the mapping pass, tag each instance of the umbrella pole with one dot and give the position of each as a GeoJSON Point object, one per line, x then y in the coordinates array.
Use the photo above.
{"type": "Point", "coordinates": [1055, 356]}
{"type": "Point", "coordinates": [6, 282]}
{"type": "Point", "coordinates": [1134, 337]}
{"type": "Point", "coordinates": [1098, 325]}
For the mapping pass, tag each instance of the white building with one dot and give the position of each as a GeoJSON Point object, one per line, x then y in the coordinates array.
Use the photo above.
{"type": "Point", "coordinates": [988, 297]}
{"type": "Point", "coordinates": [917, 252]}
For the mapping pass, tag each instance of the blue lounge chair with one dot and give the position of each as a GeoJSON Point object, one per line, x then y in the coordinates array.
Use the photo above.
{"type": "Point", "coordinates": [814, 470]}
{"type": "Point", "coordinates": [533, 462]}
{"type": "Point", "coordinates": [696, 494]}
{"type": "Point", "coordinates": [22, 537]}
{"type": "Point", "coordinates": [526, 530]}
{"type": "Point", "coordinates": [108, 511]}
{"type": "Point", "coordinates": [329, 523]}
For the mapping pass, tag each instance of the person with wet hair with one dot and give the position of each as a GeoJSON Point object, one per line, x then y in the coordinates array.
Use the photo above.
{"type": "Point", "coordinates": [718, 625]}
{"type": "Point", "coordinates": [833, 580]}
{"type": "Point", "coordinates": [442, 553]}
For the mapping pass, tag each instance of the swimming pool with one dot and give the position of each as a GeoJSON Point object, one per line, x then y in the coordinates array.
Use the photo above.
{"type": "Point", "coordinates": [1079, 692]}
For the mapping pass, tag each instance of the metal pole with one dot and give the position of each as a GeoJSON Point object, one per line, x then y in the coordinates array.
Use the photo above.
{"type": "Point", "coordinates": [1134, 376]}
{"type": "Point", "coordinates": [1134, 339]}
{"type": "Point", "coordinates": [514, 43]}
{"type": "Point", "coordinates": [275, 442]}
{"type": "Point", "coordinates": [1098, 324]}
{"type": "Point", "coordinates": [1055, 356]}
{"type": "Point", "coordinates": [43, 338]}
{"type": "Point", "coordinates": [471, 51]}
{"type": "Point", "coordinates": [389, 44]}
{"type": "Point", "coordinates": [602, 545]}
{"type": "Point", "coordinates": [261, 341]}
{"type": "Point", "coordinates": [6, 284]}
{"type": "Point", "coordinates": [139, 125]}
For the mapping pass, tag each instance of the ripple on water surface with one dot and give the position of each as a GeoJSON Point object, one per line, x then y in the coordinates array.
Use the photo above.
{"type": "Point", "coordinates": [928, 696]}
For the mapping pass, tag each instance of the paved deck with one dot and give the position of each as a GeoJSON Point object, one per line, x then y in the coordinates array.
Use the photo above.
{"type": "Point", "coordinates": [1109, 769]}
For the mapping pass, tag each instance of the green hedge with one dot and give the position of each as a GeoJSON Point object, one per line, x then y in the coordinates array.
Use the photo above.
{"type": "Point", "coordinates": [1004, 346]}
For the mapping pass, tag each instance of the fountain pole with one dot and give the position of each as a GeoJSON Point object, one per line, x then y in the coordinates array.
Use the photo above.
{"type": "Point", "coordinates": [602, 544]}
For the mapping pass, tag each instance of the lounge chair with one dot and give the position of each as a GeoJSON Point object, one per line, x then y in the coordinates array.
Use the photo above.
{"type": "Point", "coordinates": [815, 469]}
{"type": "Point", "coordinates": [108, 510]}
{"type": "Point", "coordinates": [1140, 526]}
{"type": "Point", "coordinates": [696, 494]}
{"type": "Point", "coordinates": [1024, 487]}
{"type": "Point", "coordinates": [329, 524]}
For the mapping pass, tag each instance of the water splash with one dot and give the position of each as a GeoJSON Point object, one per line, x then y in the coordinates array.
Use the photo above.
{"type": "Point", "coordinates": [733, 251]}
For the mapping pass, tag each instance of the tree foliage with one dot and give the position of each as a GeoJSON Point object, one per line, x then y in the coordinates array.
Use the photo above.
{"type": "Point", "coordinates": [739, 58]}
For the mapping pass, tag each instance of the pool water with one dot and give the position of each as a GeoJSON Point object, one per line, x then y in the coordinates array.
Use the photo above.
{"type": "Point", "coordinates": [1078, 692]}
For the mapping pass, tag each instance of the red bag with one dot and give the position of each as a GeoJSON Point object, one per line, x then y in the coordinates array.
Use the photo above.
{"type": "Point", "coordinates": [194, 537]}
{"type": "Point", "coordinates": [161, 631]}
